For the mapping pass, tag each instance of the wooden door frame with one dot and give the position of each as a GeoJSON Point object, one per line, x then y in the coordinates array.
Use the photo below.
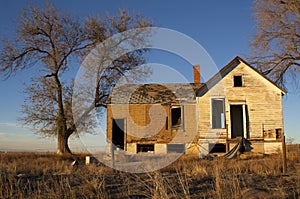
{"type": "Point", "coordinates": [243, 104]}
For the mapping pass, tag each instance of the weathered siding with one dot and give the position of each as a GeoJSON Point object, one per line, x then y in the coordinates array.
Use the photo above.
{"type": "Point", "coordinates": [259, 100]}
{"type": "Point", "coordinates": [139, 128]}
{"type": "Point", "coordinates": [263, 100]}
{"type": "Point", "coordinates": [137, 120]}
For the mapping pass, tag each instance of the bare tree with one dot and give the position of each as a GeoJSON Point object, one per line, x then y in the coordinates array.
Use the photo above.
{"type": "Point", "coordinates": [277, 40]}
{"type": "Point", "coordinates": [50, 40]}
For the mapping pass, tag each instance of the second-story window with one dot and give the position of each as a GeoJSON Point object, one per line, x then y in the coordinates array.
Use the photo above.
{"type": "Point", "coordinates": [237, 81]}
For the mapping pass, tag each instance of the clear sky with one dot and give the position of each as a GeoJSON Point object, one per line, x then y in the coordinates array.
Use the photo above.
{"type": "Point", "coordinates": [223, 28]}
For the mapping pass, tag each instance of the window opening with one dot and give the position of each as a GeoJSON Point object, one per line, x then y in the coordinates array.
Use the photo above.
{"type": "Point", "coordinates": [145, 147]}
{"type": "Point", "coordinates": [237, 81]}
{"type": "Point", "coordinates": [176, 117]}
{"type": "Point", "coordinates": [218, 114]}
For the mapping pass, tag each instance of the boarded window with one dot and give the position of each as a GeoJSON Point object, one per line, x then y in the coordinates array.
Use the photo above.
{"type": "Point", "coordinates": [218, 113]}
{"type": "Point", "coordinates": [237, 81]}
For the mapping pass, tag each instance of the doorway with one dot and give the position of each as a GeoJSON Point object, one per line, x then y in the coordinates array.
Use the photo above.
{"type": "Point", "coordinates": [118, 133]}
{"type": "Point", "coordinates": [237, 121]}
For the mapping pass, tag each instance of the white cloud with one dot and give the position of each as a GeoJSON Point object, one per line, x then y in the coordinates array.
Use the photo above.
{"type": "Point", "coordinates": [10, 124]}
{"type": "Point", "coordinates": [3, 133]}
{"type": "Point", "coordinates": [14, 124]}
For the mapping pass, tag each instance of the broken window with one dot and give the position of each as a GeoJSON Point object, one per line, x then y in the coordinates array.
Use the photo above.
{"type": "Point", "coordinates": [218, 113]}
{"type": "Point", "coordinates": [145, 147]}
{"type": "Point", "coordinates": [278, 133]}
{"type": "Point", "coordinates": [237, 81]}
{"type": "Point", "coordinates": [177, 116]}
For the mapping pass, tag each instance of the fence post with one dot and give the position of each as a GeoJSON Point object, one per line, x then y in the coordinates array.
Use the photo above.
{"type": "Point", "coordinates": [284, 154]}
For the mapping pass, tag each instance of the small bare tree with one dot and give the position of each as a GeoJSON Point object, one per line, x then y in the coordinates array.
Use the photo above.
{"type": "Point", "coordinates": [51, 40]}
{"type": "Point", "coordinates": [276, 43]}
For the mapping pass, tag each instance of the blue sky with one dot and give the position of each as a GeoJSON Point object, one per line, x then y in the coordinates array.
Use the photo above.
{"type": "Point", "coordinates": [223, 28]}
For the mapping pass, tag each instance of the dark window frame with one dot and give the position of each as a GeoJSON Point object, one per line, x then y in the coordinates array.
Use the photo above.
{"type": "Point", "coordinates": [142, 148]}
{"type": "Point", "coordinates": [218, 113]}
{"type": "Point", "coordinates": [167, 123]}
{"type": "Point", "coordinates": [237, 80]}
{"type": "Point", "coordinates": [173, 125]}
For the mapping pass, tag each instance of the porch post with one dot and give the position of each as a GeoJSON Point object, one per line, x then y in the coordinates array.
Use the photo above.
{"type": "Point", "coordinates": [244, 121]}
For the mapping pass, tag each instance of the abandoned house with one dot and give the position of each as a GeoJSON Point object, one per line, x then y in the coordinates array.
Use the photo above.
{"type": "Point", "coordinates": [198, 118]}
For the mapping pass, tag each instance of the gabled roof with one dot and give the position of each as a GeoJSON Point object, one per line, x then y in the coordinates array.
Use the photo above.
{"type": "Point", "coordinates": [173, 93]}
{"type": "Point", "coordinates": [227, 69]}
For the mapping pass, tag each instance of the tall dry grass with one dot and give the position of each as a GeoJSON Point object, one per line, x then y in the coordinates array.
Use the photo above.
{"type": "Point", "coordinates": [28, 175]}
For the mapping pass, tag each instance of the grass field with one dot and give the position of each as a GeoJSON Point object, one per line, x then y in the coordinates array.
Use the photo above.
{"type": "Point", "coordinates": [37, 175]}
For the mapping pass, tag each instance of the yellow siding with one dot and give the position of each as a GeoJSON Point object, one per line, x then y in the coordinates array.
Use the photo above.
{"type": "Point", "coordinates": [138, 123]}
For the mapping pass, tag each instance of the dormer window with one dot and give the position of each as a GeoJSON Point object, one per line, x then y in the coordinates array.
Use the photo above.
{"type": "Point", "coordinates": [237, 81]}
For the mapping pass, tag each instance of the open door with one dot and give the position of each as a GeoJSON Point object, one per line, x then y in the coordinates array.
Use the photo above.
{"type": "Point", "coordinates": [237, 121]}
{"type": "Point", "coordinates": [118, 133]}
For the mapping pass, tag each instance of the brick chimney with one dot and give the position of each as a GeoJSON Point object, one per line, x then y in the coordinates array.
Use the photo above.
{"type": "Point", "coordinates": [196, 73]}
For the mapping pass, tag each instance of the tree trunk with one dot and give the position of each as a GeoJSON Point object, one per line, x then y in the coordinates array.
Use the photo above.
{"type": "Point", "coordinates": [62, 133]}
{"type": "Point", "coordinates": [62, 144]}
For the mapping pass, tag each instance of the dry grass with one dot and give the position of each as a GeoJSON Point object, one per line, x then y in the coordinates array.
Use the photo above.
{"type": "Point", "coordinates": [28, 175]}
